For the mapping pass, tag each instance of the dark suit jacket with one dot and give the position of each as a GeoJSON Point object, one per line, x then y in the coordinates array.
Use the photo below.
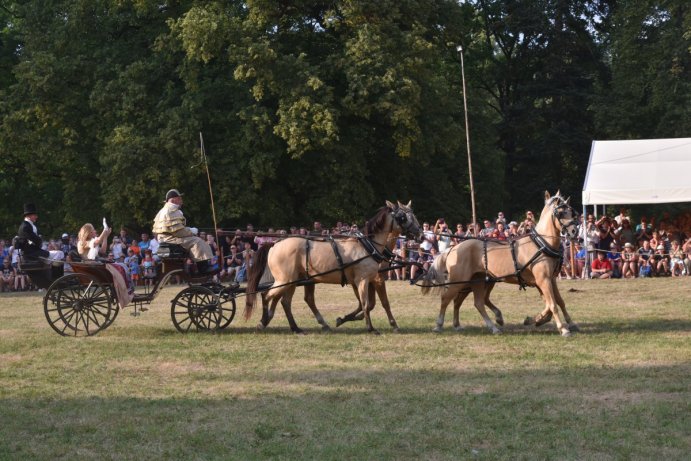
{"type": "Point", "coordinates": [29, 242]}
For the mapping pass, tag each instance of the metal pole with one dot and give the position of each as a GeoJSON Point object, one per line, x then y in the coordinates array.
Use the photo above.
{"type": "Point", "coordinates": [467, 140]}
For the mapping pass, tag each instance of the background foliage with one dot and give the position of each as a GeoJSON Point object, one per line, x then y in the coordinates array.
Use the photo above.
{"type": "Point", "coordinates": [323, 109]}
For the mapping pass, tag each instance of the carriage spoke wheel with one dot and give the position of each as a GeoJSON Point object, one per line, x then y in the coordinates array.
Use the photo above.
{"type": "Point", "coordinates": [226, 308]}
{"type": "Point", "coordinates": [75, 305]}
{"type": "Point", "coordinates": [196, 308]}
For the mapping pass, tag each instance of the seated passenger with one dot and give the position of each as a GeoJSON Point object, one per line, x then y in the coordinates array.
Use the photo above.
{"type": "Point", "coordinates": [91, 246]}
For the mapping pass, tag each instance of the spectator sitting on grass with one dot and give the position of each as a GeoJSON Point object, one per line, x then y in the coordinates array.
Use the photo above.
{"type": "Point", "coordinates": [601, 267]}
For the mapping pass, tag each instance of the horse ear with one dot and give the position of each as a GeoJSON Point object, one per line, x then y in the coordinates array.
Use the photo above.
{"type": "Point", "coordinates": [410, 203]}
{"type": "Point", "coordinates": [567, 200]}
{"type": "Point", "coordinates": [558, 194]}
{"type": "Point", "coordinates": [546, 195]}
{"type": "Point", "coordinates": [390, 205]}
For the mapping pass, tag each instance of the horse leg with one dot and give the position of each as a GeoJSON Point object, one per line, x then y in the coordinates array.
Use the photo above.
{"type": "Point", "coordinates": [541, 318]}
{"type": "Point", "coordinates": [573, 326]}
{"type": "Point", "coordinates": [309, 299]}
{"type": "Point", "coordinates": [446, 297]}
{"type": "Point", "coordinates": [380, 289]}
{"type": "Point", "coordinates": [357, 314]}
{"type": "Point", "coordinates": [267, 312]}
{"type": "Point", "coordinates": [286, 301]}
{"type": "Point", "coordinates": [550, 302]}
{"type": "Point", "coordinates": [363, 287]}
{"type": "Point", "coordinates": [498, 316]}
{"type": "Point", "coordinates": [479, 291]}
{"type": "Point", "coordinates": [457, 302]}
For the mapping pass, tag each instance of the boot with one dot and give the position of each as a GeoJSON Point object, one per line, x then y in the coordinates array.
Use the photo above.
{"type": "Point", "coordinates": [203, 267]}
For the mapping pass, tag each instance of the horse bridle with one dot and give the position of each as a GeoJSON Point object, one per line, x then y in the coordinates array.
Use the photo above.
{"type": "Point", "coordinates": [559, 213]}
{"type": "Point", "coordinates": [404, 219]}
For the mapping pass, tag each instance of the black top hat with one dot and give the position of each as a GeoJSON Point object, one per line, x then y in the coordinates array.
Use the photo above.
{"type": "Point", "coordinates": [172, 194]}
{"type": "Point", "coordinates": [30, 208]}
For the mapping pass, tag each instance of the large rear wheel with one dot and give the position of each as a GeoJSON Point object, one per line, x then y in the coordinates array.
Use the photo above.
{"type": "Point", "coordinates": [75, 305]}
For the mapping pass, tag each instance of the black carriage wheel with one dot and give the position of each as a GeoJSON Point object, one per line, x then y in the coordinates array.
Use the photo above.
{"type": "Point", "coordinates": [195, 308]}
{"type": "Point", "coordinates": [75, 305]}
{"type": "Point", "coordinates": [226, 308]}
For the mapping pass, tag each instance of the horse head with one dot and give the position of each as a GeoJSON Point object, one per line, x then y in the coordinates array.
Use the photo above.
{"type": "Point", "coordinates": [565, 217]}
{"type": "Point", "coordinates": [405, 219]}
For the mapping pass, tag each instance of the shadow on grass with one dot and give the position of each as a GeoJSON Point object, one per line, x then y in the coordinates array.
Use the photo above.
{"type": "Point", "coordinates": [392, 413]}
{"type": "Point", "coordinates": [586, 328]}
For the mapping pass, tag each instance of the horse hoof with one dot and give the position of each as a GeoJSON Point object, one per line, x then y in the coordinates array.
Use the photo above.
{"type": "Point", "coordinates": [565, 333]}
{"type": "Point", "coordinates": [396, 330]}
{"type": "Point", "coordinates": [339, 322]}
{"type": "Point", "coordinates": [574, 328]}
{"type": "Point", "coordinates": [326, 329]}
{"type": "Point", "coordinates": [500, 321]}
{"type": "Point", "coordinates": [375, 332]}
{"type": "Point", "coordinates": [529, 321]}
{"type": "Point", "coordinates": [299, 332]}
{"type": "Point", "coordinates": [458, 328]}
{"type": "Point", "coordinates": [496, 331]}
{"type": "Point", "coordinates": [260, 327]}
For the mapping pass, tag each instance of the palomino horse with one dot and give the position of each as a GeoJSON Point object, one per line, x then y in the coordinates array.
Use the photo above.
{"type": "Point", "coordinates": [376, 288]}
{"type": "Point", "coordinates": [353, 260]}
{"type": "Point", "coordinates": [533, 260]}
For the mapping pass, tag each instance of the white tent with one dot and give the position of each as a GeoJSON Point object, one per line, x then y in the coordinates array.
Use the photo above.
{"type": "Point", "coordinates": [642, 171]}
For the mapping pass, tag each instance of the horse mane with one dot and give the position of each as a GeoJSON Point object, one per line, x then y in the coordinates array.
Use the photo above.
{"type": "Point", "coordinates": [376, 223]}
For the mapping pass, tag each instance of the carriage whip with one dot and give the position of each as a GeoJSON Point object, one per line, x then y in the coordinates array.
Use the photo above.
{"type": "Point", "coordinates": [211, 192]}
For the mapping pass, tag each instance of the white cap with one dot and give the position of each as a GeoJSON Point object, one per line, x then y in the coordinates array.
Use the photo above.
{"type": "Point", "coordinates": [65, 235]}
{"type": "Point", "coordinates": [660, 247]}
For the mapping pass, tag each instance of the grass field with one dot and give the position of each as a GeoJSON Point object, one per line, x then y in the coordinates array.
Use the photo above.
{"type": "Point", "coordinates": [620, 389]}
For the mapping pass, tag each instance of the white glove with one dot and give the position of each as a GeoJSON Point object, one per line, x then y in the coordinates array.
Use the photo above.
{"type": "Point", "coordinates": [194, 230]}
{"type": "Point", "coordinates": [105, 224]}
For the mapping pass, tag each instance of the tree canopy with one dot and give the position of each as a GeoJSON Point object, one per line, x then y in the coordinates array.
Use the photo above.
{"type": "Point", "coordinates": [323, 109]}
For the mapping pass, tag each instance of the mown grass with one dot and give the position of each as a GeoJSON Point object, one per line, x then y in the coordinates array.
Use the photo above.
{"type": "Point", "coordinates": [620, 389]}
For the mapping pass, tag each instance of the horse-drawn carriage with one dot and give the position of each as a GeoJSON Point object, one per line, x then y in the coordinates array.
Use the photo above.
{"type": "Point", "coordinates": [86, 301]}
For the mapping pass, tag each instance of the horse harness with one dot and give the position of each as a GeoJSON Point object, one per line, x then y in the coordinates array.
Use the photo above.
{"type": "Point", "coordinates": [543, 248]}
{"type": "Point", "coordinates": [368, 245]}
{"type": "Point", "coordinates": [401, 217]}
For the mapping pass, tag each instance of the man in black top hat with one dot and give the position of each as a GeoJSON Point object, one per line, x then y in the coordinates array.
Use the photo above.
{"type": "Point", "coordinates": [29, 241]}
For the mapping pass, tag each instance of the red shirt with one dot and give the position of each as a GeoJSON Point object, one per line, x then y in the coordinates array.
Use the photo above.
{"type": "Point", "coordinates": [602, 264]}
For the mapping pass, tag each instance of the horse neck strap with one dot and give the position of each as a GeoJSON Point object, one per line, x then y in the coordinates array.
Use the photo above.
{"type": "Point", "coordinates": [543, 246]}
{"type": "Point", "coordinates": [339, 259]}
{"type": "Point", "coordinates": [370, 248]}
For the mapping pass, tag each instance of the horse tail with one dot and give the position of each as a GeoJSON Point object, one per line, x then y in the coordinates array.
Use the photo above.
{"type": "Point", "coordinates": [261, 257]}
{"type": "Point", "coordinates": [436, 275]}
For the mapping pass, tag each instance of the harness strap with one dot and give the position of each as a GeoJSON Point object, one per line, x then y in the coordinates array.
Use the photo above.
{"type": "Point", "coordinates": [370, 248]}
{"type": "Point", "coordinates": [484, 250]}
{"type": "Point", "coordinates": [521, 282]}
{"type": "Point", "coordinates": [307, 258]}
{"type": "Point", "coordinates": [340, 261]}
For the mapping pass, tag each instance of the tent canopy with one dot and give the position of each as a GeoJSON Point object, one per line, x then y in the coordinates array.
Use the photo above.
{"type": "Point", "coordinates": [642, 171]}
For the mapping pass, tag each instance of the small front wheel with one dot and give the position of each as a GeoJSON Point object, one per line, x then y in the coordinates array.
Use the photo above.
{"type": "Point", "coordinates": [195, 308]}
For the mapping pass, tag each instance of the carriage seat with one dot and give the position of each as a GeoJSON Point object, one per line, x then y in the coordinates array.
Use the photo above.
{"type": "Point", "coordinates": [31, 264]}
{"type": "Point", "coordinates": [170, 250]}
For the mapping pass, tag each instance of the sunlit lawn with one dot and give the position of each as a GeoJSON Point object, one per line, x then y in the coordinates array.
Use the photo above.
{"type": "Point", "coordinates": [620, 389]}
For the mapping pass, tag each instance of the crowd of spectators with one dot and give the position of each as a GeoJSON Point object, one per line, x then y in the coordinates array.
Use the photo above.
{"type": "Point", "coordinates": [616, 248]}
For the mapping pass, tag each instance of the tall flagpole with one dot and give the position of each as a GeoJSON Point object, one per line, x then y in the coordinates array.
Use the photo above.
{"type": "Point", "coordinates": [459, 48]}
{"type": "Point", "coordinates": [211, 192]}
